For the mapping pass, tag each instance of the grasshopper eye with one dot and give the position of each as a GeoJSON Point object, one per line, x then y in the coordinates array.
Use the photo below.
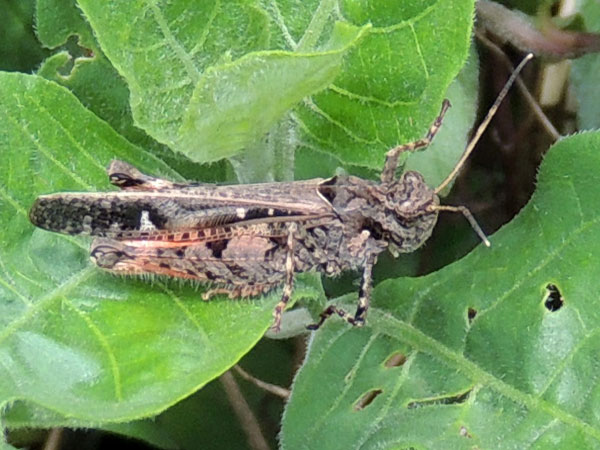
{"type": "Point", "coordinates": [412, 180]}
{"type": "Point", "coordinates": [391, 197]}
{"type": "Point", "coordinates": [106, 255]}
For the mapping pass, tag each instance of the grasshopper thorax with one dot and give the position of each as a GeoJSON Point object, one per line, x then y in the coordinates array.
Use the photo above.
{"type": "Point", "coordinates": [400, 214]}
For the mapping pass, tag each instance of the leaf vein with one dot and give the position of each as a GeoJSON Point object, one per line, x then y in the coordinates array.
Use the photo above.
{"type": "Point", "coordinates": [207, 27]}
{"type": "Point", "coordinates": [280, 22]}
{"type": "Point", "coordinates": [351, 373]}
{"type": "Point", "coordinates": [53, 294]}
{"type": "Point", "coordinates": [314, 108]}
{"type": "Point", "coordinates": [543, 263]}
{"type": "Point", "coordinates": [420, 52]}
{"type": "Point", "coordinates": [47, 154]}
{"type": "Point", "coordinates": [174, 44]}
{"type": "Point", "coordinates": [577, 199]}
{"type": "Point", "coordinates": [69, 135]}
{"type": "Point", "coordinates": [186, 312]}
{"type": "Point", "coordinates": [568, 358]}
{"type": "Point", "coordinates": [404, 332]}
{"type": "Point", "coordinates": [383, 412]}
{"type": "Point", "coordinates": [9, 285]}
{"type": "Point", "coordinates": [114, 367]}
{"type": "Point", "coordinates": [367, 98]}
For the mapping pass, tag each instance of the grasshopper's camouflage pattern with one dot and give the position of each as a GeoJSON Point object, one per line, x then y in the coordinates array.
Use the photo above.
{"type": "Point", "coordinates": [247, 239]}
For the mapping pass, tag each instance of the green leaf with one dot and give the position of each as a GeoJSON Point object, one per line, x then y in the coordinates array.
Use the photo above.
{"type": "Point", "coordinates": [57, 20]}
{"type": "Point", "coordinates": [516, 375]}
{"type": "Point", "coordinates": [392, 83]}
{"type": "Point", "coordinates": [19, 49]}
{"type": "Point", "coordinates": [449, 144]}
{"type": "Point", "coordinates": [76, 341]}
{"type": "Point", "coordinates": [162, 63]}
{"type": "Point", "coordinates": [80, 66]}
{"type": "Point", "coordinates": [81, 348]}
{"type": "Point", "coordinates": [440, 157]}
{"type": "Point", "coordinates": [86, 72]}
{"type": "Point", "coordinates": [204, 99]}
{"type": "Point", "coordinates": [236, 104]}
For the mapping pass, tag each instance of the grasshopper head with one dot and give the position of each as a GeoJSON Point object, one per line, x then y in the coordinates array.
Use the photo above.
{"type": "Point", "coordinates": [409, 215]}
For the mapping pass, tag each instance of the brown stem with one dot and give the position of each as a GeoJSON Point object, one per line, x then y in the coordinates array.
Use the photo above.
{"type": "Point", "coordinates": [242, 410]}
{"type": "Point", "coordinates": [520, 30]}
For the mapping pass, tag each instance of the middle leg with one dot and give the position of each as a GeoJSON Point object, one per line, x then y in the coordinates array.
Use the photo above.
{"type": "Point", "coordinates": [289, 279]}
{"type": "Point", "coordinates": [364, 300]}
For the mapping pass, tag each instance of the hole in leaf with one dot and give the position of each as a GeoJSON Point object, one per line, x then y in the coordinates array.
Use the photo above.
{"type": "Point", "coordinates": [396, 359]}
{"type": "Point", "coordinates": [75, 51]}
{"type": "Point", "coordinates": [448, 400]}
{"type": "Point", "coordinates": [367, 399]}
{"type": "Point", "coordinates": [553, 299]}
{"type": "Point", "coordinates": [75, 48]}
{"type": "Point", "coordinates": [471, 313]}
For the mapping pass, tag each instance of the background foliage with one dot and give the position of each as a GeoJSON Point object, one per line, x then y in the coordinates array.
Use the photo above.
{"type": "Point", "coordinates": [470, 355]}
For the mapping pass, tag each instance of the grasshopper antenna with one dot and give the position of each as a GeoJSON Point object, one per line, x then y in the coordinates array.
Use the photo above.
{"type": "Point", "coordinates": [482, 127]}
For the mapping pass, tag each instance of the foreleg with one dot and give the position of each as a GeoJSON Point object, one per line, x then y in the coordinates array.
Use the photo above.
{"type": "Point", "coordinates": [391, 159]}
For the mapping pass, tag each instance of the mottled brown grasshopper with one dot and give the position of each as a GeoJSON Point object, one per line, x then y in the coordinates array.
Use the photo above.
{"type": "Point", "coordinates": [248, 239]}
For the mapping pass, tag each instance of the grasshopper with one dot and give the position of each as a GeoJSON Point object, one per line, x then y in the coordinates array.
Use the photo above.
{"type": "Point", "coordinates": [248, 239]}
